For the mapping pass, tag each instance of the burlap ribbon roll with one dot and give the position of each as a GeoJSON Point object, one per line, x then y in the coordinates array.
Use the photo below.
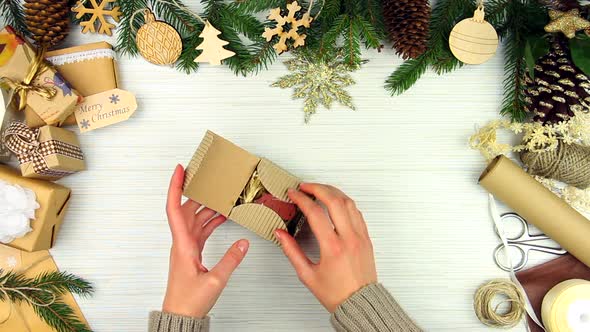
{"type": "Point", "coordinates": [569, 163]}
{"type": "Point", "coordinates": [24, 142]}
{"type": "Point", "coordinates": [22, 88]}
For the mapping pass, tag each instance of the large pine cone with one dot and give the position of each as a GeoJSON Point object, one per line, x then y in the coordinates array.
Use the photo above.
{"type": "Point", "coordinates": [559, 88]}
{"type": "Point", "coordinates": [48, 21]}
{"type": "Point", "coordinates": [407, 23]}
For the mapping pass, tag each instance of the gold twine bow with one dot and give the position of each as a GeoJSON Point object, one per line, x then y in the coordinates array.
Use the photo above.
{"type": "Point", "coordinates": [26, 86]}
{"type": "Point", "coordinates": [20, 291]}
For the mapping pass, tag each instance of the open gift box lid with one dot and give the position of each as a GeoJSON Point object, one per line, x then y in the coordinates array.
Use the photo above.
{"type": "Point", "coordinates": [220, 171]}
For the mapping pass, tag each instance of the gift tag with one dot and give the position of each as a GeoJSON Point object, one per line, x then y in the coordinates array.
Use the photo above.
{"type": "Point", "coordinates": [105, 109]}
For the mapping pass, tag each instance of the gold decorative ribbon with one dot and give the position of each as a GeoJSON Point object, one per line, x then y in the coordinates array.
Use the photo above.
{"type": "Point", "coordinates": [24, 142]}
{"type": "Point", "coordinates": [19, 290]}
{"type": "Point", "coordinates": [26, 86]}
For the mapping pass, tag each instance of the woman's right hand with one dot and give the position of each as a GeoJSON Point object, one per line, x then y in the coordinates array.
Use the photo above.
{"type": "Point", "coordinates": [346, 263]}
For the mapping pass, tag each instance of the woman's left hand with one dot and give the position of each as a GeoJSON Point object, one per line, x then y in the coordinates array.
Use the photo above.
{"type": "Point", "coordinates": [192, 289]}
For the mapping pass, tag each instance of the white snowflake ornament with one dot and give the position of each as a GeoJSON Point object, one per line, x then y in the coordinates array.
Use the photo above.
{"type": "Point", "coordinates": [17, 208]}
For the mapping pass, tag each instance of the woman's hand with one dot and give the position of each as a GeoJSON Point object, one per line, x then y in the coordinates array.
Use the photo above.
{"type": "Point", "coordinates": [192, 288]}
{"type": "Point", "coordinates": [346, 254]}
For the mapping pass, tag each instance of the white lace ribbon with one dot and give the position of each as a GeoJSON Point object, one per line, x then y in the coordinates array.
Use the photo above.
{"type": "Point", "coordinates": [497, 222]}
{"type": "Point", "coordinates": [59, 60]}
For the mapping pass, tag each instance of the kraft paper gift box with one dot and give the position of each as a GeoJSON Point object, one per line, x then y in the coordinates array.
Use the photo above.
{"type": "Point", "coordinates": [21, 317]}
{"type": "Point", "coordinates": [221, 175]}
{"type": "Point", "coordinates": [53, 199]}
{"type": "Point", "coordinates": [16, 57]}
{"type": "Point", "coordinates": [7, 116]}
{"type": "Point", "coordinates": [89, 68]}
{"type": "Point", "coordinates": [48, 153]}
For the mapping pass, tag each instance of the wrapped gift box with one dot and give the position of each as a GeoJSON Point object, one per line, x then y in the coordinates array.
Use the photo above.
{"type": "Point", "coordinates": [16, 56]}
{"type": "Point", "coordinates": [8, 115]}
{"type": "Point", "coordinates": [54, 200]}
{"type": "Point", "coordinates": [222, 176]}
{"type": "Point", "coordinates": [21, 317]}
{"type": "Point", "coordinates": [48, 153]}
{"type": "Point", "coordinates": [89, 68]}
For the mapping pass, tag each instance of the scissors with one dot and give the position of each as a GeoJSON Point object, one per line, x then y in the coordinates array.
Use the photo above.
{"type": "Point", "coordinates": [523, 242]}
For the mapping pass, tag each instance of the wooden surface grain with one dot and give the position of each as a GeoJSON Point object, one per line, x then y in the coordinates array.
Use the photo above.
{"type": "Point", "coordinates": [405, 160]}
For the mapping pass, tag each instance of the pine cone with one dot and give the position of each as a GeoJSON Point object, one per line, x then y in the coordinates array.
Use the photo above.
{"type": "Point", "coordinates": [559, 88]}
{"type": "Point", "coordinates": [407, 23]}
{"type": "Point", "coordinates": [48, 21]}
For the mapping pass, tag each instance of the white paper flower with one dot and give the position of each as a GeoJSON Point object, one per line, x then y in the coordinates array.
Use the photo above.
{"type": "Point", "coordinates": [17, 208]}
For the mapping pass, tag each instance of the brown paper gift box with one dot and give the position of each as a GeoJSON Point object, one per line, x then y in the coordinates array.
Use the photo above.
{"type": "Point", "coordinates": [217, 175]}
{"type": "Point", "coordinates": [54, 200]}
{"type": "Point", "coordinates": [21, 317]}
{"type": "Point", "coordinates": [15, 59]}
{"type": "Point", "coordinates": [61, 154]}
{"type": "Point", "coordinates": [8, 114]}
{"type": "Point", "coordinates": [89, 68]}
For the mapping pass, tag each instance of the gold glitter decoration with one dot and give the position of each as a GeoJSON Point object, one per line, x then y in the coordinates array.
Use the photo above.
{"type": "Point", "coordinates": [318, 81]}
{"type": "Point", "coordinates": [282, 25]}
{"type": "Point", "coordinates": [537, 137]}
{"type": "Point", "coordinates": [567, 23]}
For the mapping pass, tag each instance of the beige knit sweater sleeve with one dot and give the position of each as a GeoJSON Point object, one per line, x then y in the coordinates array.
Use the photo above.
{"type": "Point", "coordinates": [371, 309]}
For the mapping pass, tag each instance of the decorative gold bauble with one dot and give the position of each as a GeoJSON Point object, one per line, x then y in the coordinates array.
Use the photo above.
{"type": "Point", "coordinates": [474, 41]}
{"type": "Point", "coordinates": [157, 41]}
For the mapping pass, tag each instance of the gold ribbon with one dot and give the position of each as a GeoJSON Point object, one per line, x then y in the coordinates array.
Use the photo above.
{"type": "Point", "coordinates": [26, 86]}
{"type": "Point", "coordinates": [19, 290]}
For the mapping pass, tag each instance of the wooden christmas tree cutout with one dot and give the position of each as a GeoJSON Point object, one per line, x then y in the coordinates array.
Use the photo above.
{"type": "Point", "coordinates": [212, 46]}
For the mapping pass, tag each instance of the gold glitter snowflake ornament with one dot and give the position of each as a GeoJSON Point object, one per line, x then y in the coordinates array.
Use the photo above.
{"type": "Point", "coordinates": [287, 27]}
{"type": "Point", "coordinates": [318, 81]}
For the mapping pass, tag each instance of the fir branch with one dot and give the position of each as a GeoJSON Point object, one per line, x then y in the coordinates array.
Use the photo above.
{"type": "Point", "coordinates": [127, 29]}
{"type": "Point", "coordinates": [257, 6]}
{"type": "Point", "coordinates": [47, 288]}
{"type": "Point", "coordinates": [186, 62]}
{"type": "Point", "coordinates": [368, 33]}
{"type": "Point", "coordinates": [523, 18]}
{"type": "Point", "coordinates": [352, 47]}
{"type": "Point", "coordinates": [12, 13]}
{"type": "Point", "coordinates": [406, 75]}
{"type": "Point", "coordinates": [184, 22]}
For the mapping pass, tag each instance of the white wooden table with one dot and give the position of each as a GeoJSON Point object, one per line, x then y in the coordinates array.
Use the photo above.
{"type": "Point", "coordinates": [405, 160]}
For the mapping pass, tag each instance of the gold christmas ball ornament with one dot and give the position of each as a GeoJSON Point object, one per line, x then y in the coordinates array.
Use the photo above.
{"type": "Point", "coordinates": [157, 41]}
{"type": "Point", "coordinates": [474, 41]}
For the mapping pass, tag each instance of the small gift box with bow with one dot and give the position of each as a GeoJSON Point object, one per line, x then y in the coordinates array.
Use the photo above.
{"type": "Point", "coordinates": [22, 316]}
{"type": "Point", "coordinates": [53, 201]}
{"type": "Point", "coordinates": [42, 93]}
{"type": "Point", "coordinates": [48, 153]}
{"type": "Point", "coordinates": [249, 190]}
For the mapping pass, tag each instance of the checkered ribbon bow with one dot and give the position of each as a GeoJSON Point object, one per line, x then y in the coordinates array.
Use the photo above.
{"type": "Point", "coordinates": [24, 142]}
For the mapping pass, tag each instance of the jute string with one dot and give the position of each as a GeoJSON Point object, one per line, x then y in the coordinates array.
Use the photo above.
{"type": "Point", "coordinates": [489, 314]}
{"type": "Point", "coordinates": [569, 163]}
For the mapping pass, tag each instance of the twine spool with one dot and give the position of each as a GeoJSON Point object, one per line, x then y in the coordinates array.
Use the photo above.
{"type": "Point", "coordinates": [488, 314]}
{"type": "Point", "coordinates": [569, 163]}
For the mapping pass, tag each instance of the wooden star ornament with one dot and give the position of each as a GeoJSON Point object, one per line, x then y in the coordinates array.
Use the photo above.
{"type": "Point", "coordinates": [567, 23]}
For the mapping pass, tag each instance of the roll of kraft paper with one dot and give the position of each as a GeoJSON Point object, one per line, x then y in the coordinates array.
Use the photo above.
{"type": "Point", "coordinates": [539, 206]}
{"type": "Point", "coordinates": [566, 307]}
